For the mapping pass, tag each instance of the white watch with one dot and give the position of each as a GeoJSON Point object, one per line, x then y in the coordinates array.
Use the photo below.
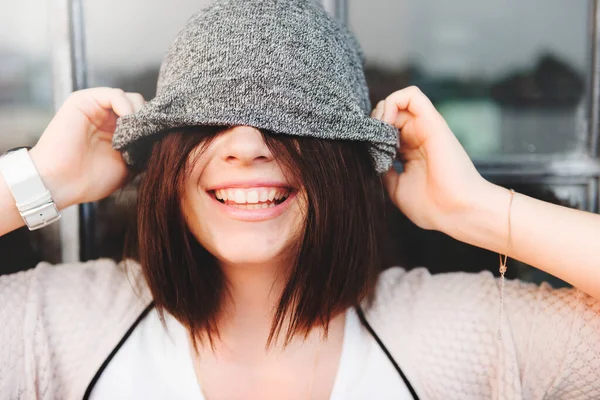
{"type": "Point", "coordinates": [33, 200]}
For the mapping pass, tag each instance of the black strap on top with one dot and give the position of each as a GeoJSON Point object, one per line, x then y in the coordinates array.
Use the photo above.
{"type": "Point", "coordinates": [363, 320]}
{"type": "Point", "coordinates": [88, 391]}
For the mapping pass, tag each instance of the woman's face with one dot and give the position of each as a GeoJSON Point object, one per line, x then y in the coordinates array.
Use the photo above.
{"type": "Point", "coordinates": [237, 201]}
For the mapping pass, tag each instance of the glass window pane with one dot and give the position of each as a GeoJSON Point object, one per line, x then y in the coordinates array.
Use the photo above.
{"type": "Point", "coordinates": [509, 76]}
{"type": "Point", "coordinates": [125, 48]}
{"type": "Point", "coordinates": [26, 107]}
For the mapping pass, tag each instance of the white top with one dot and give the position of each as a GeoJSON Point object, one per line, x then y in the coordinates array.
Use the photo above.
{"type": "Point", "coordinates": [155, 364]}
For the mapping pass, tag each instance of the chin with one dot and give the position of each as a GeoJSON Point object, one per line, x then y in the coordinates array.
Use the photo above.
{"type": "Point", "coordinates": [244, 259]}
{"type": "Point", "coordinates": [249, 249]}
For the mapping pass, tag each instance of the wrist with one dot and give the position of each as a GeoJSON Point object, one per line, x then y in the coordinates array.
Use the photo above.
{"type": "Point", "coordinates": [52, 179]}
{"type": "Point", "coordinates": [482, 218]}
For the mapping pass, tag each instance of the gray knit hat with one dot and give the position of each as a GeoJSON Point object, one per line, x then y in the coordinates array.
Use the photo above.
{"type": "Point", "coordinates": [281, 65]}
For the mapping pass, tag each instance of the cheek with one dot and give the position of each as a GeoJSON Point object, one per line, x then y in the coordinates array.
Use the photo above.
{"type": "Point", "coordinates": [242, 242]}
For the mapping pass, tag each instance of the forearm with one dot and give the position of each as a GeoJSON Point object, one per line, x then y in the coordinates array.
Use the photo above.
{"type": "Point", "coordinates": [561, 241]}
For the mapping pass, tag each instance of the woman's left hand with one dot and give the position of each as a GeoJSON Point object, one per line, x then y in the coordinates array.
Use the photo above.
{"type": "Point", "coordinates": [439, 180]}
{"type": "Point", "coordinates": [441, 189]}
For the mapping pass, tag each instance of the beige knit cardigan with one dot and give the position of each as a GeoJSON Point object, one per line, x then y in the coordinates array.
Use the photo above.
{"type": "Point", "coordinates": [59, 323]}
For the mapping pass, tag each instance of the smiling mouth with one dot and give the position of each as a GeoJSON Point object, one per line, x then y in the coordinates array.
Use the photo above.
{"type": "Point", "coordinates": [252, 198]}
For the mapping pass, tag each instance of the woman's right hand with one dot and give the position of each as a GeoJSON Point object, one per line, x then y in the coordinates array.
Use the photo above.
{"type": "Point", "coordinates": [74, 155]}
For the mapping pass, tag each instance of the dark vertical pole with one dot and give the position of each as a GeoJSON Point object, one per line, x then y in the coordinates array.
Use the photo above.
{"type": "Point", "coordinates": [594, 128]}
{"type": "Point", "coordinates": [87, 211]}
{"type": "Point", "coordinates": [593, 191]}
{"type": "Point", "coordinates": [594, 24]}
{"type": "Point", "coordinates": [60, 30]}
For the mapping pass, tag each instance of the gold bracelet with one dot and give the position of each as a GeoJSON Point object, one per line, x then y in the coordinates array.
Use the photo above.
{"type": "Point", "coordinates": [503, 261]}
{"type": "Point", "coordinates": [503, 265]}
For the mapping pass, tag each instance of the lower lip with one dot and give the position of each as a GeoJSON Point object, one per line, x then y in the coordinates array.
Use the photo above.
{"type": "Point", "coordinates": [254, 215]}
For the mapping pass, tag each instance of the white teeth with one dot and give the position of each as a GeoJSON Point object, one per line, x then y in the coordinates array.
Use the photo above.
{"type": "Point", "coordinates": [263, 196]}
{"type": "Point", "coordinates": [281, 194]}
{"type": "Point", "coordinates": [230, 194]}
{"type": "Point", "coordinates": [252, 196]}
{"type": "Point", "coordinates": [240, 196]}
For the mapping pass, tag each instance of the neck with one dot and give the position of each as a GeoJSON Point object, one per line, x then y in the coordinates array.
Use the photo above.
{"type": "Point", "coordinates": [245, 323]}
{"type": "Point", "coordinates": [254, 292]}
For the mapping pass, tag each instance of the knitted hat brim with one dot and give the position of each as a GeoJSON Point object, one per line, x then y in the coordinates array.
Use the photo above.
{"type": "Point", "coordinates": [153, 119]}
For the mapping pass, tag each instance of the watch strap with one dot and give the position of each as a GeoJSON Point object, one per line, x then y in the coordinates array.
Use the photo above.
{"type": "Point", "coordinates": [32, 198]}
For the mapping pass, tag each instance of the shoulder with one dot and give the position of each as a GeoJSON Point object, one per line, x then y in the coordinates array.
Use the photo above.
{"type": "Point", "coordinates": [440, 329]}
{"type": "Point", "coordinates": [86, 287]}
{"type": "Point", "coordinates": [462, 296]}
{"type": "Point", "coordinates": [76, 293]}
{"type": "Point", "coordinates": [441, 309]}
{"type": "Point", "coordinates": [419, 288]}
{"type": "Point", "coordinates": [69, 316]}
{"type": "Point", "coordinates": [432, 306]}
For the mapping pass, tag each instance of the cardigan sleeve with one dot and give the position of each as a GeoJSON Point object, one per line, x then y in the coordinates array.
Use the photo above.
{"type": "Point", "coordinates": [556, 337]}
{"type": "Point", "coordinates": [14, 296]}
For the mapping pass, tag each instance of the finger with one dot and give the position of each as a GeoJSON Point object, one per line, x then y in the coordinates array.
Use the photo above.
{"type": "Point", "coordinates": [377, 112]}
{"type": "Point", "coordinates": [136, 99]}
{"type": "Point", "coordinates": [119, 103]}
{"type": "Point", "coordinates": [99, 105]}
{"type": "Point", "coordinates": [402, 118]}
{"type": "Point", "coordinates": [410, 99]}
{"type": "Point", "coordinates": [111, 99]}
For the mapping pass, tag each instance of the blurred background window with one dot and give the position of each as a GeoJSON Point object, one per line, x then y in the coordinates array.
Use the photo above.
{"type": "Point", "coordinates": [26, 107]}
{"type": "Point", "coordinates": [124, 48]}
{"type": "Point", "coordinates": [517, 81]}
{"type": "Point", "coordinates": [509, 76]}
{"type": "Point", "coordinates": [513, 80]}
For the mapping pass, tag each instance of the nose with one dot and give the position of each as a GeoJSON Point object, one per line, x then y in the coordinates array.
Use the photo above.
{"type": "Point", "coordinates": [244, 145]}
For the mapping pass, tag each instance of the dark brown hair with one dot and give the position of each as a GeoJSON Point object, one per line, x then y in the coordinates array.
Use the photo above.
{"type": "Point", "coordinates": [337, 254]}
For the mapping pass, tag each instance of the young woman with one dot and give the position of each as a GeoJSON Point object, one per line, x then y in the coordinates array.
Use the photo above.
{"type": "Point", "coordinates": [255, 270]}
